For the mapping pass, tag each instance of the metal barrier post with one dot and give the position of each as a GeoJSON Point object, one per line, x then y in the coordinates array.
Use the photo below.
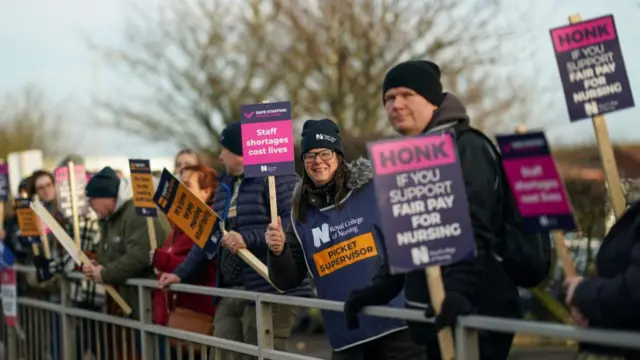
{"type": "Point", "coordinates": [467, 347]}
{"type": "Point", "coordinates": [12, 346]}
{"type": "Point", "coordinates": [146, 316]}
{"type": "Point", "coordinates": [67, 322]}
{"type": "Point", "coordinates": [264, 323]}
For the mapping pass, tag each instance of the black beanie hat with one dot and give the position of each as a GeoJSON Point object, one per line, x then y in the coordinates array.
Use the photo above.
{"type": "Point", "coordinates": [103, 184]}
{"type": "Point", "coordinates": [231, 138]}
{"type": "Point", "coordinates": [321, 134]}
{"type": "Point", "coordinates": [421, 76]}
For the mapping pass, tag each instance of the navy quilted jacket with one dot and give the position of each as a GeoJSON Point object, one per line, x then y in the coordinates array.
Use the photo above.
{"type": "Point", "coordinates": [253, 216]}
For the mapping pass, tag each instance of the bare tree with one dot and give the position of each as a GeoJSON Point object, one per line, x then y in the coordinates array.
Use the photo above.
{"type": "Point", "coordinates": [201, 60]}
{"type": "Point", "coordinates": [29, 121]}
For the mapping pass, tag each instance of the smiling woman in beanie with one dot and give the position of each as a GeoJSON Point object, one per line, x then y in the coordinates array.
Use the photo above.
{"type": "Point", "coordinates": [334, 192]}
{"type": "Point", "coordinates": [123, 252]}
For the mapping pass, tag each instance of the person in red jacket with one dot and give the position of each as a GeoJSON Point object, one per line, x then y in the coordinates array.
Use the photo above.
{"type": "Point", "coordinates": [202, 181]}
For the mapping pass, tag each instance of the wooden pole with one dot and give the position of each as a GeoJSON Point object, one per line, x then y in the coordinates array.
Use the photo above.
{"type": "Point", "coordinates": [74, 204]}
{"type": "Point", "coordinates": [436, 293]}
{"type": "Point", "coordinates": [618, 202]}
{"type": "Point", "coordinates": [44, 239]}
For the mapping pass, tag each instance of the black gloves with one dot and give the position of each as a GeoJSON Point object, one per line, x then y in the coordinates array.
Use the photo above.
{"type": "Point", "coordinates": [454, 305]}
{"type": "Point", "coordinates": [357, 300]}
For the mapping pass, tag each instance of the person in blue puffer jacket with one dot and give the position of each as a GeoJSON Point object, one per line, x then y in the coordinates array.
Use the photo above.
{"type": "Point", "coordinates": [333, 236]}
{"type": "Point", "coordinates": [244, 204]}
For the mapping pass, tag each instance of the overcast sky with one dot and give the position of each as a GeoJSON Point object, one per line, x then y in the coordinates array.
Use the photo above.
{"type": "Point", "coordinates": [41, 43]}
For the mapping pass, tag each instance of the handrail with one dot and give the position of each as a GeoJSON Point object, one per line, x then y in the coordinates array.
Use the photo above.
{"type": "Point", "coordinates": [617, 338]}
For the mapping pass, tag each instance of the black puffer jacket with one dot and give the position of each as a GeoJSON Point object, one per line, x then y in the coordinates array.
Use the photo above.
{"type": "Point", "coordinates": [611, 300]}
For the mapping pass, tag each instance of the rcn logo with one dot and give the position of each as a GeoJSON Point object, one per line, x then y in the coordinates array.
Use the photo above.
{"type": "Point", "coordinates": [325, 137]}
{"type": "Point", "coordinates": [268, 169]}
{"type": "Point", "coordinates": [320, 235]}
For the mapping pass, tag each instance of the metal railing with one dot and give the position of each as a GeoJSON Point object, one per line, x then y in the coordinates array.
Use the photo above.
{"type": "Point", "coordinates": [61, 331]}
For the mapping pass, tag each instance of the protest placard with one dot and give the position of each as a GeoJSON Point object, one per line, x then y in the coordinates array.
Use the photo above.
{"type": "Point", "coordinates": [143, 191]}
{"type": "Point", "coordinates": [27, 220]}
{"type": "Point", "coordinates": [21, 165]}
{"type": "Point", "coordinates": [422, 201]}
{"type": "Point", "coordinates": [8, 285]}
{"type": "Point", "coordinates": [183, 208]}
{"type": "Point", "coordinates": [539, 191]}
{"type": "Point", "coordinates": [424, 213]}
{"type": "Point", "coordinates": [63, 190]}
{"type": "Point", "coordinates": [589, 52]}
{"type": "Point", "coordinates": [537, 183]}
{"type": "Point", "coordinates": [143, 187]}
{"type": "Point", "coordinates": [267, 139]}
{"type": "Point", "coordinates": [197, 220]}
{"type": "Point", "coordinates": [592, 68]}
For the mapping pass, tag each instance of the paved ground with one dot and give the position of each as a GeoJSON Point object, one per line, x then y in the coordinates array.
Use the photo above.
{"type": "Point", "coordinates": [317, 346]}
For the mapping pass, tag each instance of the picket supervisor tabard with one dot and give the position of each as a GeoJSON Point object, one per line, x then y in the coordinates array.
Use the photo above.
{"type": "Point", "coordinates": [422, 202]}
{"type": "Point", "coordinates": [591, 68]}
{"type": "Point", "coordinates": [267, 139]}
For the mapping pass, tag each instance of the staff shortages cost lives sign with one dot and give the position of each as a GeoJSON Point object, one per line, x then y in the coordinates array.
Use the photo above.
{"type": "Point", "coordinates": [422, 201]}
{"type": "Point", "coordinates": [591, 68]}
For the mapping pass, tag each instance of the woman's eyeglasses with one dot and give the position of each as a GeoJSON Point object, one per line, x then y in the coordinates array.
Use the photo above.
{"type": "Point", "coordinates": [325, 155]}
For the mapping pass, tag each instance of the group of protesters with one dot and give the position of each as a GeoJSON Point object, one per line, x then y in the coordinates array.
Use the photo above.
{"type": "Point", "coordinates": [330, 190]}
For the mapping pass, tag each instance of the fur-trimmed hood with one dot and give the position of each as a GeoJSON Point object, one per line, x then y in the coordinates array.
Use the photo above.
{"type": "Point", "coordinates": [360, 174]}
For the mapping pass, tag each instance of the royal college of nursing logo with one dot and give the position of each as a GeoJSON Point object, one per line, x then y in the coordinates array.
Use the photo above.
{"type": "Point", "coordinates": [325, 137]}
{"type": "Point", "coordinates": [320, 235]}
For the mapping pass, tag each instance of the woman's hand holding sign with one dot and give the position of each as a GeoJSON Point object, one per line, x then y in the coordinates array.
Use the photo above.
{"type": "Point", "coordinates": [275, 237]}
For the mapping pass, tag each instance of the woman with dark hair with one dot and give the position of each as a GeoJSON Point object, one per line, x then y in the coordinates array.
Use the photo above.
{"type": "Point", "coordinates": [43, 184]}
{"type": "Point", "coordinates": [202, 181]}
{"type": "Point", "coordinates": [333, 236]}
{"type": "Point", "coordinates": [184, 158]}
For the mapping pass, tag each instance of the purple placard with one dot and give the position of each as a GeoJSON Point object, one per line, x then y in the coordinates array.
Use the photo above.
{"type": "Point", "coordinates": [4, 182]}
{"type": "Point", "coordinates": [267, 139]}
{"type": "Point", "coordinates": [592, 68]}
{"type": "Point", "coordinates": [536, 184]}
{"type": "Point", "coordinates": [423, 206]}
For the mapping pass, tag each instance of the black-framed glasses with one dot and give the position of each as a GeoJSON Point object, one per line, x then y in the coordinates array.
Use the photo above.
{"type": "Point", "coordinates": [325, 155]}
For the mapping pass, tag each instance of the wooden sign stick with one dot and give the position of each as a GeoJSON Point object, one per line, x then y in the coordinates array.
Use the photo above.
{"type": "Point", "coordinates": [153, 242]}
{"type": "Point", "coordinates": [44, 239]}
{"type": "Point", "coordinates": [251, 260]}
{"type": "Point", "coordinates": [273, 195]}
{"type": "Point", "coordinates": [618, 202]}
{"type": "Point", "coordinates": [436, 293]}
{"type": "Point", "coordinates": [74, 204]}
{"type": "Point", "coordinates": [558, 236]}
{"type": "Point", "coordinates": [74, 251]}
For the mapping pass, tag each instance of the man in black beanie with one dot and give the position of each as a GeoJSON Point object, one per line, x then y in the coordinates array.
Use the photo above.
{"type": "Point", "coordinates": [415, 104]}
{"type": "Point", "coordinates": [244, 205]}
{"type": "Point", "coordinates": [123, 252]}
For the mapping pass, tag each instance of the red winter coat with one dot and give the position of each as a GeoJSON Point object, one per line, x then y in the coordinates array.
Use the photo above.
{"type": "Point", "coordinates": [167, 259]}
